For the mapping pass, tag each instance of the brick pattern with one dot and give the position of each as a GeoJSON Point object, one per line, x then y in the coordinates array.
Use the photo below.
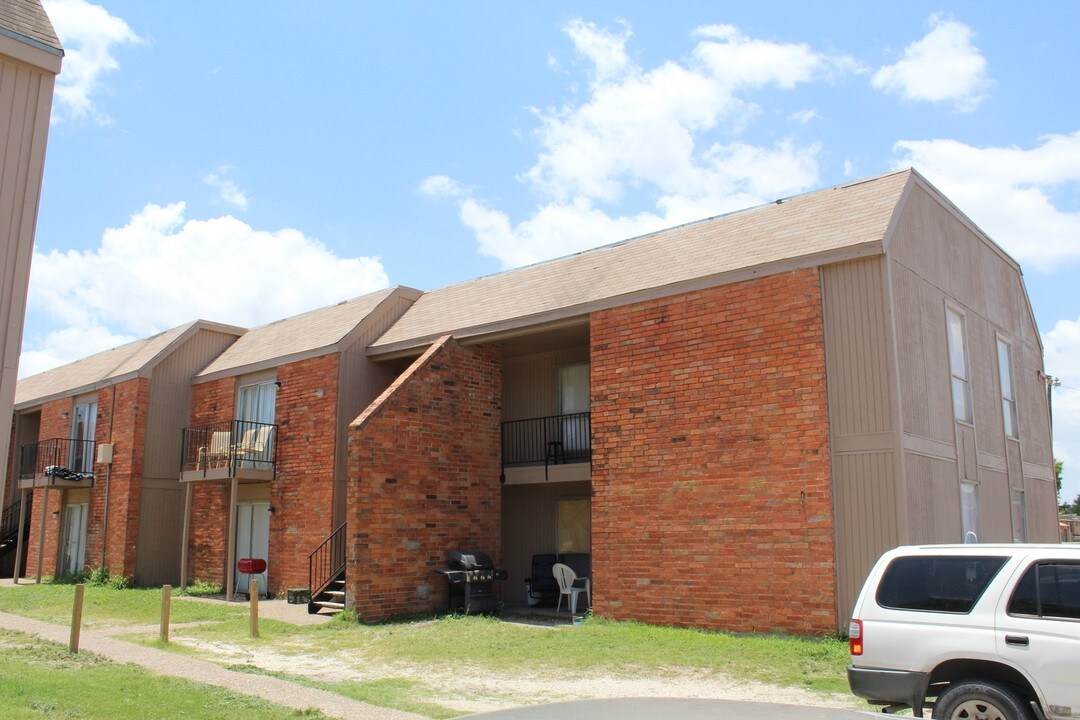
{"type": "Point", "coordinates": [211, 402]}
{"type": "Point", "coordinates": [126, 429]}
{"type": "Point", "coordinates": [302, 495]}
{"type": "Point", "coordinates": [711, 473]}
{"type": "Point", "coordinates": [128, 435]}
{"type": "Point", "coordinates": [424, 465]}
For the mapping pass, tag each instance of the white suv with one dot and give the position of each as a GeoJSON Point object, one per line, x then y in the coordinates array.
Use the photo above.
{"type": "Point", "coordinates": [991, 631]}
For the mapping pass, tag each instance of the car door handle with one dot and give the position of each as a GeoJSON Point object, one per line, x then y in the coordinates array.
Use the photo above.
{"type": "Point", "coordinates": [1017, 640]}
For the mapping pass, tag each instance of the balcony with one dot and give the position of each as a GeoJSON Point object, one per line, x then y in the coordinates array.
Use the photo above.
{"type": "Point", "coordinates": [547, 441]}
{"type": "Point", "coordinates": [230, 449]}
{"type": "Point", "coordinates": [57, 462]}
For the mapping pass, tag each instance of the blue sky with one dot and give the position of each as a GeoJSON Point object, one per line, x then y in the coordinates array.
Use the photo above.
{"type": "Point", "coordinates": [246, 161]}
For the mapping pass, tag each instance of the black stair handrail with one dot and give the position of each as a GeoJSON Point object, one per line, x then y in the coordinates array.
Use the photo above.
{"type": "Point", "coordinates": [326, 562]}
{"type": "Point", "coordinates": [9, 522]}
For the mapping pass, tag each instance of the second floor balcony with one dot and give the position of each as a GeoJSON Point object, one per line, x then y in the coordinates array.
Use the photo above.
{"type": "Point", "coordinates": [57, 462]}
{"type": "Point", "coordinates": [547, 440]}
{"type": "Point", "coordinates": [230, 449]}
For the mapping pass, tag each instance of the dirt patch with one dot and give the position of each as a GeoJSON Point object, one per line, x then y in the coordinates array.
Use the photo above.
{"type": "Point", "coordinates": [472, 689]}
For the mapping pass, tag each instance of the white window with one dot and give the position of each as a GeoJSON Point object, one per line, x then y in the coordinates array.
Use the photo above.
{"type": "Point", "coordinates": [958, 365]}
{"type": "Point", "coordinates": [1008, 392]}
{"type": "Point", "coordinates": [83, 429]}
{"type": "Point", "coordinates": [574, 402]}
{"type": "Point", "coordinates": [73, 556]}
{"type": "Point", "coordinates": [255, 402]}
{"type": "Point", "coordinates": [969, 511]}
{"type": "Point", "coordinates": [575, 525]}
{"type": "Point", "coordinates": [1019, 516]}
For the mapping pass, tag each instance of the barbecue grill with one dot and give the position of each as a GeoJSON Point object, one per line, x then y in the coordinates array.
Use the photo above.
{"type": "Point", "coordinates": [471, 578]}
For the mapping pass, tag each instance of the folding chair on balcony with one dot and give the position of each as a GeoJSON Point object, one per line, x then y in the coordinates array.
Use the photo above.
{"type": "Point", "coordinates": [254, 445]}
{"type": "Point", "coordinates": [217, 453]}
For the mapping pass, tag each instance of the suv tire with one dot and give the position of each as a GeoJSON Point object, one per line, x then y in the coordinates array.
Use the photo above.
{"type": "Point", "coordinates": [980, 700]}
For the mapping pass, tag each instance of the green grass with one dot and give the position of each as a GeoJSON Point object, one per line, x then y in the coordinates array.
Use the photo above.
{"type": "Point", "coordinates": [43, 680]}
{"type": "Point", "coordinates": [599, 645]}
{"type": "Point", "coordinates": [398, 693]}
{"type": "Point", "coordinates": [104, 605]}
{"type": "Point", "coordinates": [410, 656]}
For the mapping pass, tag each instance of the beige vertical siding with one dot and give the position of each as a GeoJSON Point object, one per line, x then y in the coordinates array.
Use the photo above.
{"type": "Point", "coordinates": [933, 499]}
{"type": "Point", "coordinates": [531, 382]}
{"type": "Point", "coordinates": [529, 517]}
{"type": "Point", "coordinates": [25, 103]}
{"type": "Point", "coordinates": [360, 382]}
{"type": "Point", "coordinates": [170, 400]}
{"type": "Point", "coordinates": [863, 416]}
{"type": "Point", "coordinates": [864, 497]}
{"type": "Point", "coordinates": [937, 260]}
{"type": "Point", "coordinates": [161, 506]}
{"type": "Point", "coordinates": [160, 524]}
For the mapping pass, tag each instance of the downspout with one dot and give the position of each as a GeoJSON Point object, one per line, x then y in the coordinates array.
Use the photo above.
{"type": "Point", "coordinates": [108, 478]}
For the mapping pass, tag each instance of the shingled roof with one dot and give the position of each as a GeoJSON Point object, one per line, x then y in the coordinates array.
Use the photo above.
{"type": "Point", "coordinates": [108, 367]}
{"type": "Point", "coordinates": [311, 334]}
{"type": "Point", "coordinates": [25, 20]}
{"type": "Point", "coordinates": [828, 225]}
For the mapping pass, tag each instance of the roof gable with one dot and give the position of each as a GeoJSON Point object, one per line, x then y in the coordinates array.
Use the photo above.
{"type": "Point", "coordinates": [314, 333]}
{"type": "Point", "coordinates": [104, 368]}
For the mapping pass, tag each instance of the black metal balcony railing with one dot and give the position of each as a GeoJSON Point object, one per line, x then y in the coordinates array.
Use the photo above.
{"type": "Point", "coordinates": [76, 456]}
{"type": "Point", "coordinates": [231, 444]}
{"type": "Point", "coordinates": [547, 440]}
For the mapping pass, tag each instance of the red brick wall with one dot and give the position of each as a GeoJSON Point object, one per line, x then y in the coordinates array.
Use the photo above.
{"type": "Point", "coordinates": [424, 464]}
{"type": "Point", "coordinates": [211, 402]}
{"type": "Point", "coordinates": [55, 423]}
{"type": "Point", "coordinates": [711, 472]}
{"type": "Point", "coordinates": [126, 429]}
{"type": "Point", "coordinates": [303, 494]}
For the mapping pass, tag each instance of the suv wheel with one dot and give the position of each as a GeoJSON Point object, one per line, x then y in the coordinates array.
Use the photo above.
{"type": "Point", "coordinates": [980, 700]}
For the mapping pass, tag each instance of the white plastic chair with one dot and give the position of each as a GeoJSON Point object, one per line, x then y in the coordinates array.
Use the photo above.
{"type": "Point", "coordinates": [571, 585]}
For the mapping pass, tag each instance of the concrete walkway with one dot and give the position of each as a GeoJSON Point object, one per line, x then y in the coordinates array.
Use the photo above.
{"type": "Point", "coordinates": [162, 662]}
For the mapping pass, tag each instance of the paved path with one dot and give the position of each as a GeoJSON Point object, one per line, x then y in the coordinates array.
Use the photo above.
{"type": "Point", "coordinates": [162, 662]}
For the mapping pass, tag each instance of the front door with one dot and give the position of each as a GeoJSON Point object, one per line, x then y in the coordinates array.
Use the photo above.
{"type": "Point", "coordinates": [73, 545]}
{"type": "Point", "coordinates": [252, 540]}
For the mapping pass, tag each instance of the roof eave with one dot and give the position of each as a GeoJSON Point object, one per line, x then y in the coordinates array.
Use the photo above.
{"type": "Point", "coordinates": [492, 332]}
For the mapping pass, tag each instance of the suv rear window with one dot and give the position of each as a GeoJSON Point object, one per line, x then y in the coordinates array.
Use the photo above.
{"type": "Point", "coordinates": [937, 583]}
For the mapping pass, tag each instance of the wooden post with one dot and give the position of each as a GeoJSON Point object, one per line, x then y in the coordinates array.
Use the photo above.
{"type": "Point", "coordinates": [253, 593]}
{"type": "Point", "coordinates": [41, 531]}
{"type": "Point", "coordinates": [185, 536]}
{"type": "Point", "coordinates": [22, 529]}
{"type": "Point", "coordinates": [76, 619]}
{"type": "Point", "coordinates": [230, 544]}
{"type": "Point", "coordinates": [166, 603]}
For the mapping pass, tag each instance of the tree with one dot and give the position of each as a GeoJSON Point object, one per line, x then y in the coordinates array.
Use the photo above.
{"type": "Point", "coordinates": [1059, 465]}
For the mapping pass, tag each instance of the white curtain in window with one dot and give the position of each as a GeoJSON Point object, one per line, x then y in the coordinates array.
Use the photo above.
{"type": "Point", "coordinates": [255, 403]}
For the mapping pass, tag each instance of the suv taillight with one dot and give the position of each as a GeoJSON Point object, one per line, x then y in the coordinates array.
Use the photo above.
{"type": "Point", "coordinates": [855, 638]}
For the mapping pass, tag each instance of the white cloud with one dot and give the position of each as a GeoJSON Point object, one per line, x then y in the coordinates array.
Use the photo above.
{"type": "Point", "coordinates": [650, 132]}
{"type": "Point", "coordinates": [62, 346]}
{"type": "Point", "coordinates": [1062, 347]}
{"type": "Point", "coordinates": [942, 67]}
{"type": "Point", "coordinates": [1009, 192]}
{"type": "Point", "coordinates": [162, 270]}
{"type": "Point", "coordinates": [606, 50]}
{"type": "Point", "coordinates": [228, 191]}
{"type": "Point", "coordinates": [89, 34]}
{"type": "Point", "coordinates": [441, 186]}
